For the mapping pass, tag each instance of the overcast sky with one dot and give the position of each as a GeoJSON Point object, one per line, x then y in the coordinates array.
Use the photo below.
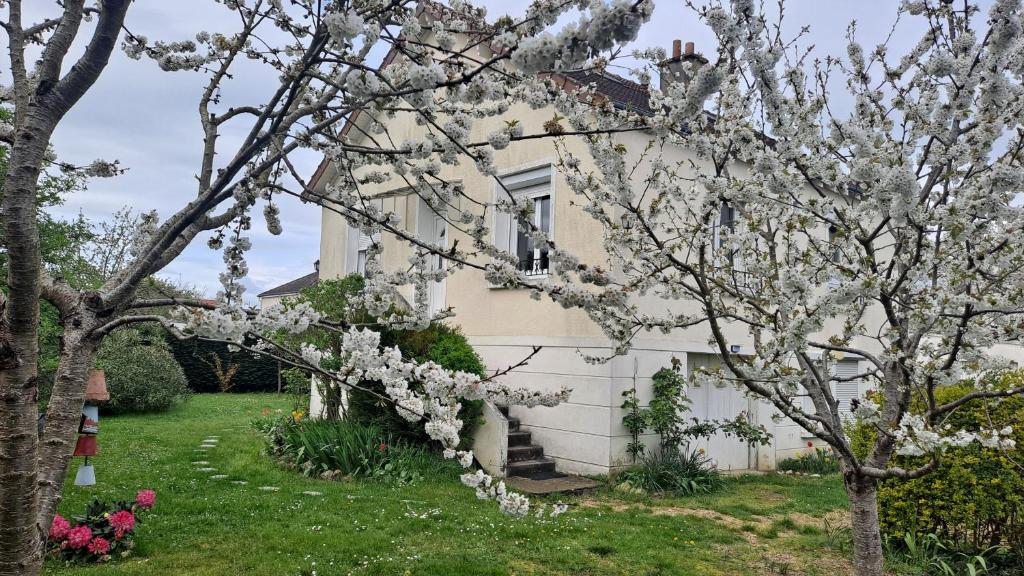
{"type": "Point", "coordinates": [147, 119]}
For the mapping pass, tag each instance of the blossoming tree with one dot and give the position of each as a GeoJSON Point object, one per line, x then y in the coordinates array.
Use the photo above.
{"type": "Point", "coordinates": [322, 56]}
{"type": "Point", "coordinates": [888, 233]}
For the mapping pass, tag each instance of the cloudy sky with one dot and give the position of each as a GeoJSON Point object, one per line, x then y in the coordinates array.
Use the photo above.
{"type": "Point", "coordinates": [147, 119]}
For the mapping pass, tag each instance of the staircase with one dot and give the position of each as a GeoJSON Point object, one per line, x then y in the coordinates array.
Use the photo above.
{"type": "Point", "coordinates": [525, 459]}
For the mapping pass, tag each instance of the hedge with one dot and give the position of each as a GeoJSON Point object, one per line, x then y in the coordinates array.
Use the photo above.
{"type": "Point", "coordinates": [975, 497]}
{"type": "Point", "coordinates": [197, 359]}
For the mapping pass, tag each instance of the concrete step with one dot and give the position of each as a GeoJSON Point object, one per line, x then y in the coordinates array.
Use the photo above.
{"type": "Point", "coordinates": [559, 484]}
{"type": "Point", "coordinates": [513, 424]}
{"type": "Point", "coordinates": [529, 452]}
{"type": "Point", "coordinates": [538, 468]}
{"type": "Point", "coordinates": [519, 438]}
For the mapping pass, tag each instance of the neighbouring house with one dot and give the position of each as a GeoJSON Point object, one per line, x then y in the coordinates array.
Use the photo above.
{"type": "Point", "coordinates": [291, 288]}
{"type": "Point", "coordinates": [585, 434]}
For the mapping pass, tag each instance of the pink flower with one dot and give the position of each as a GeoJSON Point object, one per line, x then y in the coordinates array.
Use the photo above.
{"type": "Point", "coordinates": [79, 537]}
{"type": "Point", "coordinates": [59, 528]}
{"type": "Point", "coordinates": [122, 522]}
{"type": "Point", "coordinates": [99, 546]}
{"type": "Point", "coordinates": [145, 499]}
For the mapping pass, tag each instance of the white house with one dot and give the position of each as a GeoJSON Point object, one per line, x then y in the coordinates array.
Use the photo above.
{"type": "Point", "coordinates": [584, 435]}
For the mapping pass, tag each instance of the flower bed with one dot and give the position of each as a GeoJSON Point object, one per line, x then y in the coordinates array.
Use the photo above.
{"type": "Point", "coordinates": [103, 532]}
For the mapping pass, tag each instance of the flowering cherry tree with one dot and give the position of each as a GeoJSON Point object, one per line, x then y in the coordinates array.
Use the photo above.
{"type": "Point", "coordinates": [804, 231]}
{"type": "Point", "coordinates": [889, 233]}
{"type": "Point", "coordinates": [321, 54]}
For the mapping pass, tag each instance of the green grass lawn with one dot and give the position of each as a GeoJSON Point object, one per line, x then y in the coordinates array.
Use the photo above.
{"type": "Point", "coordinates": [757, 525]}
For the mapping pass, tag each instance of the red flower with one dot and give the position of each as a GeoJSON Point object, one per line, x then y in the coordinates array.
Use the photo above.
{"type": "Point", "coordinates": [382, 447]}
{"type": "Point", "coordinates": [79, 537]}
{"type": "Point", "coordinates": [59, 528]}
{"type": "Point", "coordinates": [145, 499]}
{"type": "Point", "coordinates": [99, 546]}
{"type": "Point", "coordinates": [122, 522]}
{"type": "Point", "coordinates": [810, 444]}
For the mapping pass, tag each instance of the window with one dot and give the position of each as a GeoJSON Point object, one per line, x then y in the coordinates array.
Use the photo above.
{"type": "Point", "coordinates": [533, 187]}
{"type": "Point", "coordinates": [835, 252]}
{"type": "Point", "coordinates": [726, 220]}
{"type": "Point", "coordinates": [365, 242]}
{"type": "Point", "coordinates": [532, 259]}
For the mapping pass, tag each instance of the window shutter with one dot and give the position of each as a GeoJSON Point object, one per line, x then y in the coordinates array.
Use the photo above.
{"type": "Point", "coordinates": [846, 391]}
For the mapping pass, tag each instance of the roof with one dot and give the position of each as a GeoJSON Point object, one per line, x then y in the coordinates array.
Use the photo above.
{"type": "Point", "coordinates": [623, 93]}
{"type": "Point", "coordinates": [293, 286]}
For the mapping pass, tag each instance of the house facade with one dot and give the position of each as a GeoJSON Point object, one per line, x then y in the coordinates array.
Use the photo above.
{"type": "Point", "coordinates": [585, 434]}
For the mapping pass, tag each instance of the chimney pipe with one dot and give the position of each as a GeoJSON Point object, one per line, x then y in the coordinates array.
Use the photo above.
{"type": "Point", "coordinates": [682, 64]}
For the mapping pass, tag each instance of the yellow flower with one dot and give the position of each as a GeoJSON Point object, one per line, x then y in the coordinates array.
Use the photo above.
{"type": "Point", "coordinates": [297, 415]}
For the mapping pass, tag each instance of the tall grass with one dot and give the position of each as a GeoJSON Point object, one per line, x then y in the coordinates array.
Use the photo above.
{"type": "Point", "coordinates": [347, 449]}
{"type": "Point", "coordinates": [672, 472]}
{"type": "Point", "coordinates": [818, 462]}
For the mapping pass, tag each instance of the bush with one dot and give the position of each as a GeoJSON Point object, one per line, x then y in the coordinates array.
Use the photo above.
{"type": "Point", "coordinates": [975, 497]}
{"type": "Point", "coordinates": [821, 461]}
{"type": "Point", "coordinates": [199, 359]}
{"type": "Point", "coordinates": [673, 472]}
{"type": "Point", "coordinates": [141, 373]}
{"type": "Point", "coordinates": [332, 449]}
{"type": "Point", "coordinates": [439, 343]}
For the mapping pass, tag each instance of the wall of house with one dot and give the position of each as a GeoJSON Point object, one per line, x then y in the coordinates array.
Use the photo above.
{"type": "Point", "coordinates": [585, 434]}
{"type": "Point", "coordinates": [268, 301]}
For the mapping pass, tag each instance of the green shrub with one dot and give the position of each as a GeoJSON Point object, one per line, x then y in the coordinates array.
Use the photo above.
{"type": "Point", "coordinates": [975, 497]}
{"type": "Point", "coordinates": [348, 449]}
{"type": "Point", "coordinates": [141, 373]}
{"type": "Point", "coordinates": [439, 343]}
{"type": "Point", "coordinates": [673, 472]}
{"type": "Point", "coordinates": [821, 461]}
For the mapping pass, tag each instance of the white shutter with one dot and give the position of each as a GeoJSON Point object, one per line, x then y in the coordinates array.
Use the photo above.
{"type": "Point", "coordinates": [846, 391]}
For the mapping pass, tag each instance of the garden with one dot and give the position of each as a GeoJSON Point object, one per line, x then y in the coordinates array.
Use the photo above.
{"type": "Point", "coordinates": [231, 509]}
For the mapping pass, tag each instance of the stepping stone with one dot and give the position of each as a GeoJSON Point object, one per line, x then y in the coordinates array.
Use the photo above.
{"type": "Point", "coordinates": [551, 485]}
{"type": "Point", "coordinates": [218, 477]}
{"type": "Point", "coordinates": [269, 488]}
{"type": "Point", "coordinates": [200, 463]}
{"type": "Point", "coordinates": [206, 469]}
{"type": "Point", "coordinates": [313, 493]}
{"type": "Point", "coordinates": [239, 482]}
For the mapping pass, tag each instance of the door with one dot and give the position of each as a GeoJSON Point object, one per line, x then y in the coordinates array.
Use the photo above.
{"type": "Point", "coordinates": [722, 400]}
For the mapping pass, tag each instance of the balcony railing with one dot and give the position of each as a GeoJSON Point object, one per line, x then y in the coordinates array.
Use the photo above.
{"type": "Point", "coordinates": [534, 264]}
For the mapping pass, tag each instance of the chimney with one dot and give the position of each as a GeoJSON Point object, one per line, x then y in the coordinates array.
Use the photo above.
{"type": "Point", "coordinates": [680, 66]}
{"type": "Point", "coordinates": [316, 266]}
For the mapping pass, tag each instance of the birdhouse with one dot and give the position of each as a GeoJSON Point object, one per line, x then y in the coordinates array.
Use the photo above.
{"type": "Point", "coordinates": [86, 446]}
{"type": "Point", "coordinates": [96, 388]}
{"type": "Point", "coordinates": [89, 426]}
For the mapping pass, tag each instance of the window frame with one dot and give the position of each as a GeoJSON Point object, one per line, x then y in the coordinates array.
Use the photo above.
{"type": "Point", "coordinates": [532, 180]}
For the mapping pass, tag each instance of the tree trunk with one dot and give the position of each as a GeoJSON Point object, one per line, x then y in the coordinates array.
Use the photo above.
{"type": "Point", "coordinates": [20, 552]}
{"type": "Point", "coordinates": [867, 537]}
{"type": "Point", "coordinates": [20, 549]}
{"type": "Point", "coordinates": [63, 414]}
